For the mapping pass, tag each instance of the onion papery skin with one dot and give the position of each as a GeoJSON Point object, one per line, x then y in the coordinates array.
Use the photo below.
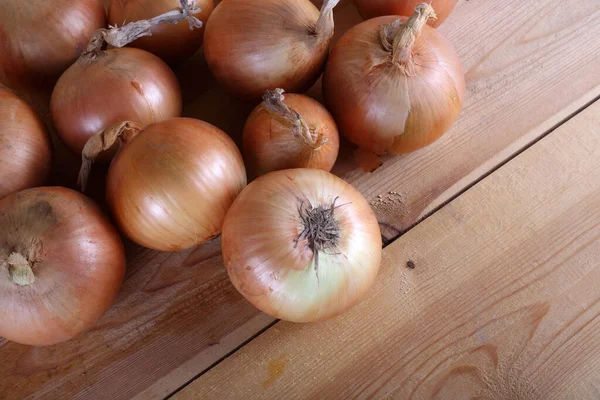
{"type": "Point", "coordinates": [378, 8]}
{"type": "Point", "coordinates": [269, 144]}
{"type": "Point", "coordinates": [40, 39]}
{"type": "Point", "coordinates": [25, 146]}
{"type": "Point", "coordinates": [277, 275]}
{"type": "Point", "coordinates": [170, 187]}
{"type": "Point", "coordinates": [115, 85]}
{"type": "Point", "coordinates": [380, 107]}
{"type": "Point", "coordinates": [252, 46]}
{"type": "Point", "coordinates": [172, 43]}
{"type": "Point", "coordinates": [77, 258]}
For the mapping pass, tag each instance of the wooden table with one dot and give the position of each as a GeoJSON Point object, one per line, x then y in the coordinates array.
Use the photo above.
{"type": "Point", "coordinates": [501, 219]}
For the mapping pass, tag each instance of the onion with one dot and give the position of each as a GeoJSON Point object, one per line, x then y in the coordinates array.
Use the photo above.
{"type": "Point", "coordinates": [378, 8]}
{"type": "Point", "coordinates": [25, 147]}
{"type": "Point", "coordinates": [106, 87]}
{"type": "Point", "coordinates": [301, 245]}
{"type": "Point", "coordinates": [392, 85]}
{"type": "Point", "coordinates": [252, 46]}
{"type": "Point", "coordinates": [172, 43]}
{"type": "Point", "coordinates": [294, 131]}
{"type": "Point", "coordinates": [172, 183]}
{"type": "Point", "coordinates": [40, 38]}
{"type": "Point", "coordinates": [62, 265]}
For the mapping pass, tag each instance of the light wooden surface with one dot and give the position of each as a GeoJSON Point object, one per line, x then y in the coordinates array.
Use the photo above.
{"type": "Point", "coordinates": [528, 67]}
{"type": "Point", "coordinates": [503, 303]}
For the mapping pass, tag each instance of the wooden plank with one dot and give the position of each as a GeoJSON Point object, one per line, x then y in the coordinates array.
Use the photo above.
{"type": "Point", "coordinates": [504, 301]}
{"type": "Point", "coordinates": [528, 67]}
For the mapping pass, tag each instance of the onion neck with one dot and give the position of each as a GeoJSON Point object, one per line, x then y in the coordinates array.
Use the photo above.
{"type": "Point", "coordinates": [103, 141]}
{"type": "Point", "coordinates": [325, 25]}
{"type": "Point", "coordinates": [405, 35]}
{"type": "Point", "coordinates": [122, 36]}
{"type": "Point", "coordinates": [20, 270]}
{"type": "Point", "coordinates": [95, 46]}
{"type": "Point", "coordinates": [273, 103]}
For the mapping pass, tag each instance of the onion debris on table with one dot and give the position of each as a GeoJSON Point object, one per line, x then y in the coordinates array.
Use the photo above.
{"type": "Point", "coordinates": [301, 245]}
{"type": "Point", "coordinates": [40, 39]}
{"type": "Point", "coordinates": [172, 182]}
{"type": "Point", "coordinates": [25, 146]}
{"type": "Point", "coordinates": [61, 265]}
{"type": "Point", "coordinates": [253, 46]}
{"type": "Point", "coordinates": [378, 8]}
{"type": "Point", "coordinates": [171, 42]}
{"type": "Point", "coordinates": [394, 85]}
{"type": "Point", "coordinates": [105, 87]}
{"type": "Point", "coordinates": [291, 131]}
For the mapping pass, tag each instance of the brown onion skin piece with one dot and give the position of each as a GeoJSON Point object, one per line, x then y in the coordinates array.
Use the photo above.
{"type": "Point", "coordinates": [170, 187]}
{"type": "Point", "coordinates": [172, 43]}
{"type": "Point", "coordinates": [269, 145]}
{"type": "Point", "coordinates": [79, 265]}
{"type": "Point", "coordinates": [117, 85]}
{"type": "Point", "coordinates": [25, 146]}
{"type": "Point", "coordinates": [378, 8]}
{"type": "Point", "coordinates": [39, 39]}
{"type": "Point", "coordinates": [241, 48]}
{"type": "Point", "coordinates": [358, 83]}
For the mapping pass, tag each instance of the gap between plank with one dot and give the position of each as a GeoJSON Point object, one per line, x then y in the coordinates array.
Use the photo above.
{"type": "Point", "coordinates": [496, 167]}
{"type": "Point", "coordinates": [442, 205]}
{"type": "Point", "coordinates": [217, 362]}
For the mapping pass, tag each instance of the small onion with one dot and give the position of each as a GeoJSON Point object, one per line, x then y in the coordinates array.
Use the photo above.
{"type": "Point", "coordinates": [106, 87]}
{"type": "Point", "coordinates": [172, 43]}
{"type": "Point", "coordinates": [252, 46]}
{"type": "Point", "coordinates": [301, 245]}
{"type": "Point", "coordinates": [61, 265]}
{"type": "Point", "coordinates": [172, 182]}
{"type": "Point", "coordinates": [392, 85]}
{"type": "Point", "coordinates": [122, 84]}
{"type": "Point", "coordinates": [40, 38]}
{"type": "Point", "coordinates": [294, 131]}
{"type": "Point", "coordinates": [379, 8]}
{"type": "Point", "coordinates": [25, 147]}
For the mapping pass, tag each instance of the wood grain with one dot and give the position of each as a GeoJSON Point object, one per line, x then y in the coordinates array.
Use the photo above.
{"type": "Point", "coordinates": [528, 67]}
{"type": "Point", "coordinates": [503, 302]}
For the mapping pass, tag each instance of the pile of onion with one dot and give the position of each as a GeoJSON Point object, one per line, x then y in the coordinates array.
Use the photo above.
{"type": "Point", "coordinates": [253, 46]}
{"type": "Point", "coordinates": [172, 182]}
{"type": "Point", "coordinates": [40, 38]}
{"type": "Point", "coordinates": [291, 131]}
{"type": "Point", "coordinates": [25, 147]}
{"type": "Point", "coordinates": [379, 8]}
{"type": "Point", "coordinates": [394, 85]}
{"type": "Point", "coordinates": [301, 245]}
{"type": "Point", "coordinates": [61, 265]}
{"type": "Point", "coordinates": [105, 87]}
{"type": "Point", "coordinates": [171, 42]}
